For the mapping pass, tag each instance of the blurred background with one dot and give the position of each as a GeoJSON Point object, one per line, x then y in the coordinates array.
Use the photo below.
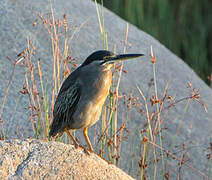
{"type": "Point", "coordinates": [185, 27]}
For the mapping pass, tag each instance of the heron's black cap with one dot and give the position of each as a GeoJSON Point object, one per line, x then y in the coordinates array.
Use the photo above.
{"type": "Point", "coordinates": [108, 57]}
{"type": "Point", "coordinates": [97, 55]}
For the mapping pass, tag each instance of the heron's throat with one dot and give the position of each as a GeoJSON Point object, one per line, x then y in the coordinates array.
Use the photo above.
{"type": "Point", "coordinates": [107, 67]}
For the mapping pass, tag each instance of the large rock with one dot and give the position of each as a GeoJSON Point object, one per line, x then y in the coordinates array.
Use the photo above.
{"type": "Point", "coordinates": [195, 126]}
{"type": "Point", "coordinates": [33, 159]}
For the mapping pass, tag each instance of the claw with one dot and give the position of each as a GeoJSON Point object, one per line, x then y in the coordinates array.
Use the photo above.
{"type": "Point", "coordinates": [88, 152]}
{"type": "Point", "coordinates": [104, 159]}
{"type": "Point", "coordinates": [76, 145]}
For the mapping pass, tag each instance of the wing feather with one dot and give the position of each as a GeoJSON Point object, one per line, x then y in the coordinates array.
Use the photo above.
{"type": "Point", "coordinates": [64, 108]}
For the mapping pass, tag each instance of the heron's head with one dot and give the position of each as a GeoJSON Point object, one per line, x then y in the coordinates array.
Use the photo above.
{"type": "Point", "coordinates": [105, 58]}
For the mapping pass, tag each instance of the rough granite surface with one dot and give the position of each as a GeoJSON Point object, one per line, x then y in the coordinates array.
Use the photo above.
{"type": "Point", "coordinates": [33, 159]}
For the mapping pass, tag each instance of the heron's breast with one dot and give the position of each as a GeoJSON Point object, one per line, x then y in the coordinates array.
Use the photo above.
{"type": "Point", "coordinates": [90, 106]}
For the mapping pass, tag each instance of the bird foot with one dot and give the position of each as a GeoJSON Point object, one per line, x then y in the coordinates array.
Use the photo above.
{"type": "Point", "coordinates": [76, 145]}
{"type": "Point", "coordinates": [104, 159]}
{"type": "Point", "coordinates": [88, 152]}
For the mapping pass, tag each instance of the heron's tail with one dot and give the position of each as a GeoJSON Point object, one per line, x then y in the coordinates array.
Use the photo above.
{"type": "Point", "coordinates": [56, 128]}
{"type": "Point", "coordinates": [52, 132]}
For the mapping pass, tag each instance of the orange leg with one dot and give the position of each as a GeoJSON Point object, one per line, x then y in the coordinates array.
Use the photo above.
{"type": "Point", "coordinates": [76, 143]}
{"type": "Point", "coordinates": [72, 138]}
{"type": "Point", "coordinates": [85, 132]}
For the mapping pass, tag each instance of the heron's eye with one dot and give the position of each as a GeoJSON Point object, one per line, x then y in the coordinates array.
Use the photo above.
{"type": "Point", "coordinates": [106, 58]}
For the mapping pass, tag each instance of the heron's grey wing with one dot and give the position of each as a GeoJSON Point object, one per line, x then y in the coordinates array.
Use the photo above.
{"type": "Point", "coordinates": [69, 81]}
{"type": "Point", "coordinates": [64, 108]}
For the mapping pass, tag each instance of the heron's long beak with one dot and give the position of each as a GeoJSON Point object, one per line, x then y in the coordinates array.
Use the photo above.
{"type": "Point", "coordinates": [122, 57]}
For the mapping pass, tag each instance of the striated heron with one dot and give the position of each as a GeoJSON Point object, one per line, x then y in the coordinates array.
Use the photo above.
{"type": "Point", "coordinates": [83, 93]}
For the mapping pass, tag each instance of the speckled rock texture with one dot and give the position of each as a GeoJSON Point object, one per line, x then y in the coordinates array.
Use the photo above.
{"type": "Point", "coordinates": [33, 159]}
{"type": "Point", "coordinates": [192, 125]}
